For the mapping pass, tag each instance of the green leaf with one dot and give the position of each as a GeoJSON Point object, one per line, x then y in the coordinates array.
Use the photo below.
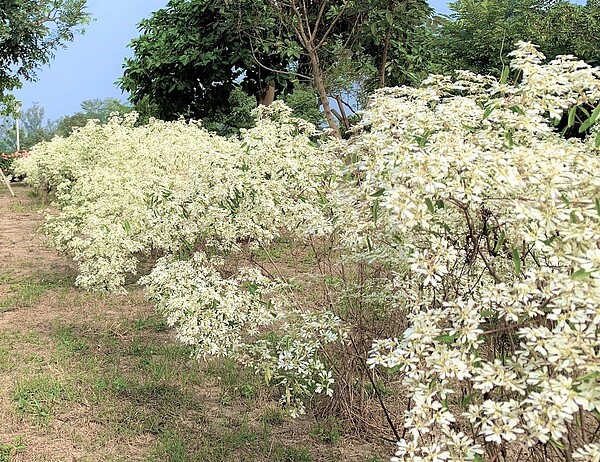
{"type": "Point", "coordinates": [374, 29]}
{"type": "Point", "coordinates": [389, 17]}
{"type": "Point", "coordinates": [378, 193]}
{"type": "Point", "coordinates": [500, 243]}
{"type": "Point", "coordinates": [585, 125]}
{"type": "Point", "coordinates": [127, 226]}
{"type": "Point", "coordinates": [591, 376]}
{"type": "Point", "coordinates": [445, 338]}
{"type": "Point", "coordinates": [429, 205]}
{"type": "Point", "coordinates": [488, 111]}
{"type": "Point", "coordinates": [597, 142]}
{"type": "Point", "coordinates": [556, 444]}
{"type": "Point", "coordinates": [517, 109]}
{"type": "Point", "coordinates": [581, 274]}
{"type": "Point", "coordinates": [375, 211]}
{"type": "Point", "coordinates": [509, 137]}
{"type": "Point", "coordinates": [478, 458]}
{"type": "Point", "coordinates": [504, 76]}
{"type": "Point", "coordinates": [467, 400]}
{"type": "Point", "coordinates": [595, 114]}
{"type": "Point", "coordinates": [571, 118]}
{"type": "Point", "coordinates": [597, 203]}
{"type": "Point", "coordinates": [517, 260]}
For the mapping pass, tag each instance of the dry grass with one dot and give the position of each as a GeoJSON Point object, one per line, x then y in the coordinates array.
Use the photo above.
{"type": "Point", "coordinates": [88, 377]}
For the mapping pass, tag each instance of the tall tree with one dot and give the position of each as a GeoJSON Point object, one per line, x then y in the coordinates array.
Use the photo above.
{"type": "Point", "coordinates": [350, 42]}
{"type": "Point", "coordinates": [194, 53]}
{"type": "Point", "coordinates": [30, 32]}
{"type": "Point", "coordinates": [32, 129]}
{"type": "Point", "coordinates": [480, 33]}
{"type": "Point", "coordinates": [97, 109]}
{"type": "Point", "coordinates": [191, 56]}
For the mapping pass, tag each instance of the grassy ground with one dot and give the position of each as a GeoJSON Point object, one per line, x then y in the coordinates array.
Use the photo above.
{"type": "Point", "coordinates": [87, 377]}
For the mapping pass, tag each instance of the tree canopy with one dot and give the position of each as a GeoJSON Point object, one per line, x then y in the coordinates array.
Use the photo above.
{"type": "Point", "coordinates": [30, 32]}
{"type": "Point", "coordinates": [191, 56]}
{"type": "Point", "coordinates": [481, 33]}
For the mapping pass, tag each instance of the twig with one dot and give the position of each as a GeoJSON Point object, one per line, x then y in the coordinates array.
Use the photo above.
{"type": "Point", "coordinates": [379, 398]}
{"type": "Point", "coordinates": [12, 193]}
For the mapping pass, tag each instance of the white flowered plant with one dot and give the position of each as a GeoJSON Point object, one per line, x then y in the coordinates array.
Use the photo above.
{"type": "Point", "coordinates": [498, 217]}
{"type": "Point", "coordinates": [481, 220]}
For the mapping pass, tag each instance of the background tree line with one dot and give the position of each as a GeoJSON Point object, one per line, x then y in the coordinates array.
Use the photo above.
{"type": "Point", "coordinates": [213, 59]}
{"type": "Point", "coordinates": [216, 60]}
{"type": "Point", "coordinates": [34, 127]}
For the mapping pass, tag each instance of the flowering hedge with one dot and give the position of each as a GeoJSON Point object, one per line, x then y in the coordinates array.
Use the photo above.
{"type": "Point", "coordinates": [490, 222]}
{"type": "Point", "coordinates": [478, 222]}
{"type": "Point", "coordinates": [7, 160]}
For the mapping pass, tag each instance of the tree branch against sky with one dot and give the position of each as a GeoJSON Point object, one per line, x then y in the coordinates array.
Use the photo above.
{"type": "Point", "coordinates": [30, 32]}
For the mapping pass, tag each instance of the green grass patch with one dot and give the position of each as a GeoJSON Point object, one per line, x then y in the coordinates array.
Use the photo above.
{"type": "Point", "coordinates": [9, 450]}
{"type": "Point", "coordinates": [328, 430]}
{"type": "Point", "coordinates": [171, 448]}
{"type": "Point", "coordinates": [38, 397]}
{"type": "Point", "coordinates": [27, 292]}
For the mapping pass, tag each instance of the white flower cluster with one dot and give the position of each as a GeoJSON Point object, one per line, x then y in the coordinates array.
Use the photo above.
{"type": "Point", "coordinates": [175, 189]}
{"type": "Point", "coordinates": [123, 190]}
{"type": "Point", "coordinates": [478, 217]}
{"type": "Point", "coordinates": [214, 314]}
{"type": "Point", "coordinates": [293, 360]}
{"type": "Point", "coordinates": [498, 218]}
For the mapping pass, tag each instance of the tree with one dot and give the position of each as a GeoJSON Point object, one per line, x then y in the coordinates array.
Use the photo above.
{"type": "Point", "coordinates": [30, 32]}
{"type": "Point", "coordinates": [480, 33]}
{"type": "Point", "coordinates": [345, 41]}
{"type": "Point", "coordinates": [32, 129]}
{"type": "Point", "coordinates": [191, 57]}
{"type": "Point", "coordinates": [393, 34]}
{"type": "Point", "coordinates": [97, 109]}
{"type": "Point", "coordinates": [193, 54]}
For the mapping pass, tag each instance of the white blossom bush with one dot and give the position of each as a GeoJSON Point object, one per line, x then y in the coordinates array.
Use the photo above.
{"type": "Point", "coordinates": [173, 188]}
{"type": "Point", "coordinates": [467, 218]}
{"type": "Point", "coordinates": [489, 220]}
{"type": "Point", "coordinates": [123, 191]}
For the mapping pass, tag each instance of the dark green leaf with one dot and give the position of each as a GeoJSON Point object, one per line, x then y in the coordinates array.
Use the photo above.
{"type": "Point", "coordinates": [500, 242]}
{"type": "Point", "coordinates": [516, 260]}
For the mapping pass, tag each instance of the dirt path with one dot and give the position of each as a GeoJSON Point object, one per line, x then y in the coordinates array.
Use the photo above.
{"type": "Point", "coordinates": [22, 249]}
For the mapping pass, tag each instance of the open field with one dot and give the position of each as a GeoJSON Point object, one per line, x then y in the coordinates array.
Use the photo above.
{"type": "Point", "coordinates": [88, 377]}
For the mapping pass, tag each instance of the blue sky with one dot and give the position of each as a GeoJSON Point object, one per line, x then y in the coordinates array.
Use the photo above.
{"type": "Point", "coordinates": [90, 65]}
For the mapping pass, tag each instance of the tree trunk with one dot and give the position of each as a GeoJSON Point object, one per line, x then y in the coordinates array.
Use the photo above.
{"type": "Point", "coordinates": [386, 48]}
{"type": "Point", "coordinates": [384, 58]}
{"type": "Point", "coordinates": [267, 94]}
{"type": "Point", "coordinates": [320, 84]}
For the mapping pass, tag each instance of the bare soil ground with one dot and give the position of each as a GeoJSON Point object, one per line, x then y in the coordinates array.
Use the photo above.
{"type": "Point", "coordinates": [89, 377]}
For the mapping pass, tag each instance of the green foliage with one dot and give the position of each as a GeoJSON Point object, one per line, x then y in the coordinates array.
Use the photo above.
{"type": "Point", "coordinates": [480, 34]}
{"type": "Point", "coordinates": [30, 31]}
{"type": "Point", "coordinates": [395, 36]}
{"type": "Point", "coordinates": [328, 430]}
{"type": "Point", "coordinates": [192, 55]}
{"type": "Point", "coordinates": [37, 397]}
{"type": "Point", "coordinates": [9, 450]}
{"type": "Point", "coordinates": [96, 109]}
{"type": "Point", "coordinates": [304, 101]}
{"type": "Point", "coordinates": [236, 116]}
{"type": "Point", "coordinates": [32, 129]}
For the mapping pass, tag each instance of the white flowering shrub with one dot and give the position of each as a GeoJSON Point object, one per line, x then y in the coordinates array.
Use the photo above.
{"type": "Point", "coordinates": [124, 191]}
{"type": "Point", "coordinates": [490, 223]}
{"type": "Point", "coordinates": [461, 239]}
{"type": "Point", "coordinates": [174, 189]}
